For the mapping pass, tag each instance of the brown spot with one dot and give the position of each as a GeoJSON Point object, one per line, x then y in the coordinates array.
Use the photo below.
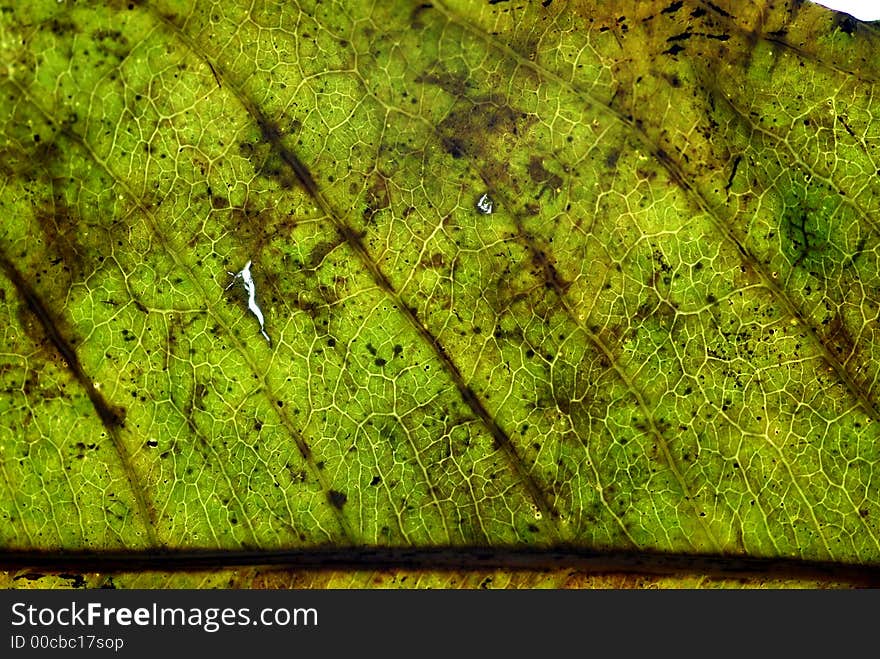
{"type": "Point", "coordinates": [484, 128]}
{"type": "Point", "coordinates": [415, 18]}
{"type": "Point", "coordinates": [551, 276]}
{"type": "Point", "coordinates": [320, 251]}
{"type": "Point", "coordinates": [111, 43]}
{"type": "Point", "coordinates": [612, 158]}
{"type": "Point", "coordinates": [199, 392]}
{"type": "Point", "coordinates": [449, 82]}
{"type": "Point", "coordinates": [434, 261]}
{"type": "Point", "coordinates": [839, 341]}
{"type": "Point", "coordinates": [337, 499]}
{"type": "Point", "coordinates": [377, 198]}
{"type": "Point", "coordinates": [646, 174]}
{"type": "Point", "coordinates": [539, 174]}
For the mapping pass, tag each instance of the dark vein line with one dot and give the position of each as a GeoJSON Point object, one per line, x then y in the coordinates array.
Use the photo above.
{"type": "Point", "coordinates": [716, 8]}
{"type": "Point", "coordinates": [216, 77]}
{"type": "Point", "coordinates": [777, 39]}
{"type": "Point", "coordinates": [272, 136]}
{"type": "Point", "coordinates": [111, 418]}
{"type": "Point", "coordinates": [189, 417]}
{"type": "Point", "coordinates": [729, 184]}
{"type": "Point", "coordinates": [848, 129]}
{"type": "Point", "coordinates": [812, 57]}
{"type": "Point", "coordinates": [585, 443]}
{"type": "Point", "coordinates": [560, 288]}
{"type": "Point", "coordinates": [675, 172]}
{"type": "Point", "coordinates": [500, 438]}
{"type": "Point", "coordinates": [865, 400]}
{"type": "Point", "coordinates": [174, 253]}
{"type": "Point", "coordinates": [796, 157]}
{"type": "Point", "coordinates": [452, 559]}
{"type": "Point", "coordinates": [779, 294]}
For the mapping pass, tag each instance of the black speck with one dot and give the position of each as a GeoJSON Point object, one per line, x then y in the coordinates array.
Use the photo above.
{"type": "Point", "coordinates": [674, 7]}
{"type": "Point", "coordinates": [681, 36]}
{"type": "Point", "coordinates": [76, 580]}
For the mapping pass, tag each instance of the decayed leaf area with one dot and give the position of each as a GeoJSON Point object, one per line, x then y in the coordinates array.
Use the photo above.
{"type": "Point", "coordinates": [662, 339]}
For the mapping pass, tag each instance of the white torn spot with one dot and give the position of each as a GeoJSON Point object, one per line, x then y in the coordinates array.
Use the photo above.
{"type": "Point", "coordinates": [251, 291]}
{"type": "Point", "coordinates": [484, 204]}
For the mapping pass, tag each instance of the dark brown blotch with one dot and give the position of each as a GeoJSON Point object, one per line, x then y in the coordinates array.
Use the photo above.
{"type": "Point", "coordinates": [337, 499]}
{"type": "Point", "coordinates": [540, 174]}
{"type": "Point", "coordinates": [377, 198]}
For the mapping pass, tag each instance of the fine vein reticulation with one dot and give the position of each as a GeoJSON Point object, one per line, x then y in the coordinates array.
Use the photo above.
{"type": "Point", "coordinates": [662, 339]}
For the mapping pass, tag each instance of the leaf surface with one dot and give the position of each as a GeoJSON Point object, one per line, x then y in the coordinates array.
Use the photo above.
{"type": "Point", "coordinates": [663, 338]}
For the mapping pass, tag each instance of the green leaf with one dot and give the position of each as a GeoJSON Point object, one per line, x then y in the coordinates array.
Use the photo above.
{"type": "Point", "coordinates": [663, 339]}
